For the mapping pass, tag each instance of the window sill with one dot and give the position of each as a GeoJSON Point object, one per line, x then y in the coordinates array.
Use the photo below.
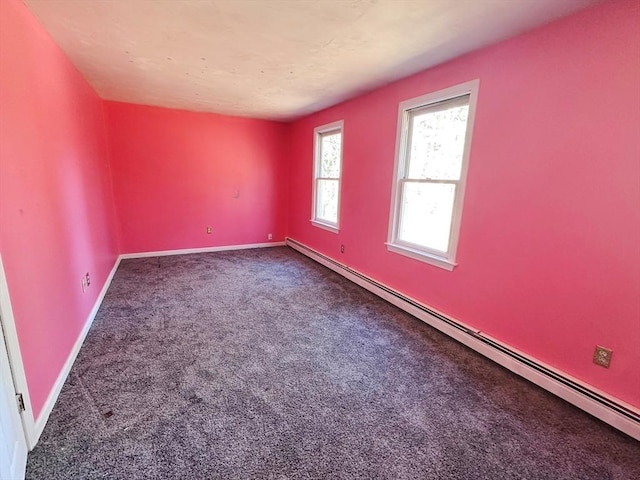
{"type": "Point", "coordinates": [421, 256]}
{"type": "Point", "coordinates": [326, 226]}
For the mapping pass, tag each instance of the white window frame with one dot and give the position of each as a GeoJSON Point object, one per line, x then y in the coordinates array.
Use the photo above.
{"type": "Point", "coordinates": [445, 260]}
{"type": "Point", "coordinates": [317, 146]}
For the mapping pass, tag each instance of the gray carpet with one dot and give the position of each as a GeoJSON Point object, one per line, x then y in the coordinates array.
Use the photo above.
{"type": "Point", "coordinates": [264, 364]}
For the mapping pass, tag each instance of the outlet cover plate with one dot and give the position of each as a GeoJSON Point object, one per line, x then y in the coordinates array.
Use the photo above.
{"type": "Point", "coordinates": [602, 356]}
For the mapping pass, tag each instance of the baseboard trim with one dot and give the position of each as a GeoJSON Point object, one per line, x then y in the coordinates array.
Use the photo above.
{"type": "Point", "coordinates": [615, 412]}
{"type": "Point", "coordinates": [35, 428]}
{"type": "Point", "coordinates": [43, 417]}
{"type": "Point", "coordinates": [186, 251]}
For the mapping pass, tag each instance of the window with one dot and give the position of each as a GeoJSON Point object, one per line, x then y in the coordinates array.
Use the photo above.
{"type": "Point", "coordinates": [432, 151]}
{"type": "Point", "coordinates": [327, 161]}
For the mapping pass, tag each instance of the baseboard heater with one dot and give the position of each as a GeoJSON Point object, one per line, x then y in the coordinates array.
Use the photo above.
{"type": "Point", "coordinates": [623, 417]}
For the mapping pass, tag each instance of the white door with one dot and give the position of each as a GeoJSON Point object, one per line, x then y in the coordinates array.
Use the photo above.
{"type": "Point", "coordinates": [13, 446]}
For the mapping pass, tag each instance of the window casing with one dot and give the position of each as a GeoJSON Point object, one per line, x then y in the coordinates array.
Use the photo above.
{"type": "Point", "coordinates": [327, 173]}
{"type": "Point", "coordinates": [432, 154]}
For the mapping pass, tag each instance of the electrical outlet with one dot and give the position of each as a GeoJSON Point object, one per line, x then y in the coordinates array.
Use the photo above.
{"type": "Point", "coordinates": [209, 230]}
{"type": "Point", "coordinates": [83, 283]}
{"type": "Point", "coordinates": [88, 282]}
{"type": "Point", "coordinates": [602, 356]}
{"type": "Point", "coordinates": [270, 237]}
{"type": "Point", "coordinates": [341, 248]}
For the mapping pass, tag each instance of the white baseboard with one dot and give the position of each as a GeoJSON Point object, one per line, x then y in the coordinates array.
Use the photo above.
{"type": "Point", "coordinates": [34, 428]}
{"type": "Point", "coordinates": [41, 421]}
{"type": "Point", "coordinates": [613, 411]}
{"type": "Point", "coordinates": [186, 251]}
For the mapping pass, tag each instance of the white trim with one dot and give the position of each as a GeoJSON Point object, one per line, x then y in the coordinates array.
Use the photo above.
{"type": "Point", "coordinates": [15, 358]}
{"type": "Point", "coordinates": [473, 338]}
{"type": "Point", "coordinates": [34, 428]}
{"type": "Point", "coordinates": [17, 378]}
{"type": "Point", "coordinates": [421, 256]}
{"type": "Point", "coordinates": [317, 132]}
{"type": "Point", "coordinates": [187, 251]}
{"type": "Point", "coordinates": [326, 226]}
{"type": "Point", "coordinates": [41, 421]}
{"type": "Point", "coordinates": [446, 260]}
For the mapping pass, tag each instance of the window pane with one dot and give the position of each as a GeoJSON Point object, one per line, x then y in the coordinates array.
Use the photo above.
{"type": "Point", "coordinates": [437, 136]}
{"type": "Point", "coordinates": [330, 155]}
{"type": "Point", "coordinates": [425, 216]}
{"type": "Point", "coordinates": [327, 200]}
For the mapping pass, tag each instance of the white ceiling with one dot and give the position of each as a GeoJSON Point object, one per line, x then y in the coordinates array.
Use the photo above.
{"type": "Point", "coordinates": [275, 59]}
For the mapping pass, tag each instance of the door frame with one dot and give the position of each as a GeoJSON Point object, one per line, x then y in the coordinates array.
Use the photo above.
{"type": "Point", "coordinates": [15, 359]}
{"type": "Point", "coordinates": [15, 450]}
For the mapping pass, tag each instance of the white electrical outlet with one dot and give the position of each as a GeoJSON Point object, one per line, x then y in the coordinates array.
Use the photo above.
{"type": "Point", "coordinates": [270, 237]}
{"type": "Point", "coordinates": [602, 356]}
{"type": "Point", "coordinates": [83, 283]}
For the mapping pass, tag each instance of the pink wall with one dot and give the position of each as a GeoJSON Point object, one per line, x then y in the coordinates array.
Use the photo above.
{"type": "Point", "coordinates": [176, 172]}
{"type": "Point", "coordinates": [56, 207]}
{"type": "Point", "coordinates": [549, 250]}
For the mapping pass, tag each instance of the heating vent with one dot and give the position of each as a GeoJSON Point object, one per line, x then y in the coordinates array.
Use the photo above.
{"type": "Point", "coordinates": [541, 369]}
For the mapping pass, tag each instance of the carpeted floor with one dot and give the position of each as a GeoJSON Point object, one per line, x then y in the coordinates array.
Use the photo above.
{"type": "Point", "coordinates": [264, 364]}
